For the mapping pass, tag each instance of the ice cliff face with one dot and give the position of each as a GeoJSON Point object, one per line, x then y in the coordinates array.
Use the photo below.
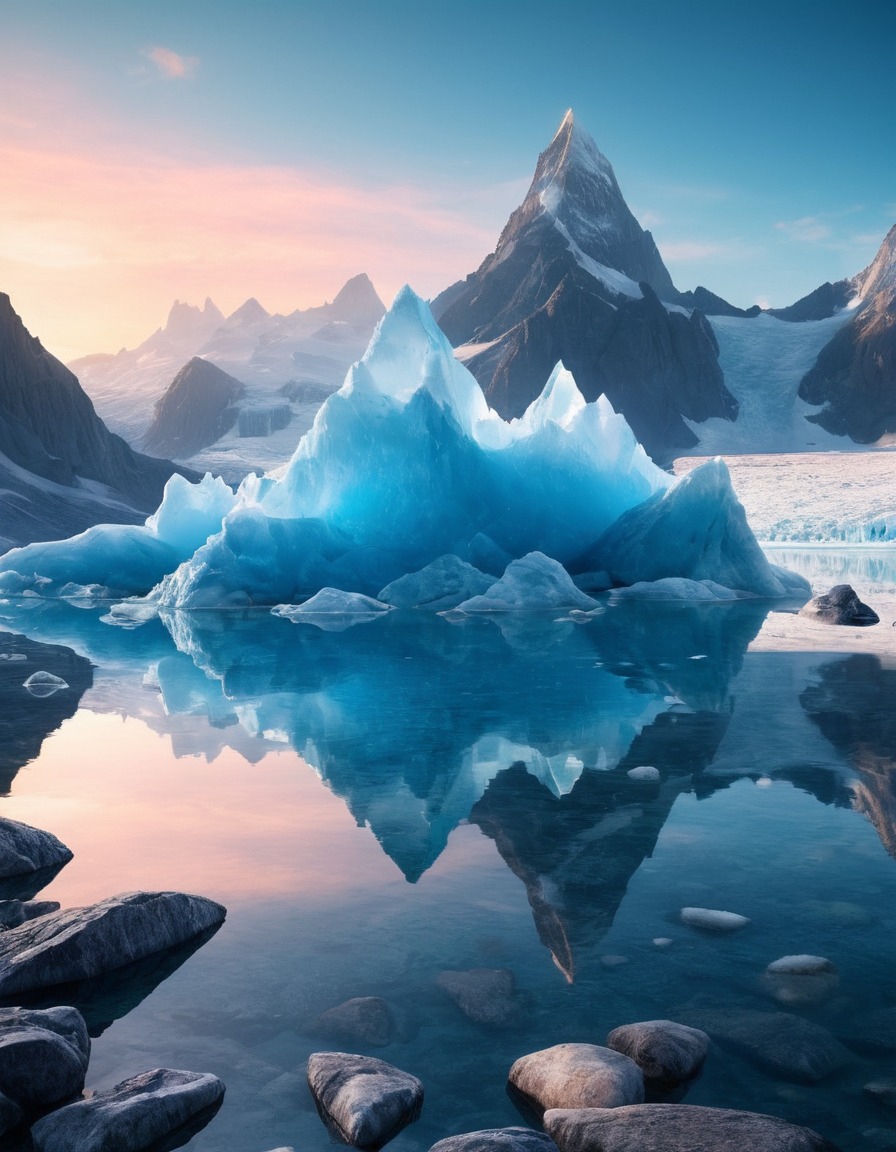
{"type": "Point", "coordinates": [575, 278]}
{"type": "Point", "coordinates": [406, 464]}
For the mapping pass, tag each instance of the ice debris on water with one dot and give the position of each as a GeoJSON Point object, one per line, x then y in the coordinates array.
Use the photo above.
{"type": "Point", "coordinates": [44, 684]}
{"type": "Point", "coordinates": [407, 464]}
{"type": "Point", "coordinates": [332, 602]}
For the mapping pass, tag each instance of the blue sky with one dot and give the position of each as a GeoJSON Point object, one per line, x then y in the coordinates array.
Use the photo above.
{"type": "Point", "coordinates": [167, 150]}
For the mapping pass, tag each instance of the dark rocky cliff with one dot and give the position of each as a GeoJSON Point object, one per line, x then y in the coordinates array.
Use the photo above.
{"type": "Point", "coordinates": [197, 409]}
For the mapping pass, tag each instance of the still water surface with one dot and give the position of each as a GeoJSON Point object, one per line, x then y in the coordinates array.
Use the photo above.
{"type": "Point", "coordinates": [378, 805]}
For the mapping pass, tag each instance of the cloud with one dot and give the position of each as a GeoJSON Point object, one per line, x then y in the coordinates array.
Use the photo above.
{"type": "Point", "coordinates": [649, 218]}
{"type": "Point", "coordinates": [170, 63]}
{"type": "Point", "coordinates": [695, 251]}
{"type": "Point", "coordinates": [806, 230]}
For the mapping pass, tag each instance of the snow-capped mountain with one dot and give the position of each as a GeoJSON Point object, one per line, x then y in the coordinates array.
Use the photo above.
{"type": "Point", "coordinates": [288, 363]}
{"type": "Point", "coordinates": [61, 470]}
{"type": "Point", "coordinates": [575, 278]}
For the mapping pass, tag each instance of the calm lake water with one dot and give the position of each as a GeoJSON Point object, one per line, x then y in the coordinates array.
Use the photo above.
{"type": "Point", "coordinates": [378, 805]}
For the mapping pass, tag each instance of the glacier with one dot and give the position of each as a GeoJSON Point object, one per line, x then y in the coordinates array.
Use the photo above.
{"type": "Point", "coordinates": [405, 465]}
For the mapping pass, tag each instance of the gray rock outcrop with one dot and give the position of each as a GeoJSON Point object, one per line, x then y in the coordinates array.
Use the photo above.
{"type": "Point", "coordinates": [678, 1128]}
{"type": "Point", "coordinates": [840, 606]}
{"type": "Point", "coordinates": [497, 1140]}
{"type": "Point", "coordinates": [43, 1055]}
{"type": "Point", "coordinates": [82, 943]}
{"type": "Point", "coordinates": [197, 408]}
{"type": "Point", "coordinates": [363, 1101]}
{"type": "Point", "coordinates": [132, 1115]}
{"type": "Point", "coordinates": [363, 1019]}
{"type": "Point", "coordinates": [24, 849]}
{"type": "Point", "coordinates": [664, 1051]}
{"type": "Point", "coordinates": [577, 1076]}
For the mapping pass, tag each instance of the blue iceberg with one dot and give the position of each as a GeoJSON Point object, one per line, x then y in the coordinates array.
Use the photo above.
{"type": "Point", "coordinates": [404, 466]}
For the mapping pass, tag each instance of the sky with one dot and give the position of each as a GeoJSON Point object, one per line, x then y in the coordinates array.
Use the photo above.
{"type": "Point", "coordinates": [159, 151]}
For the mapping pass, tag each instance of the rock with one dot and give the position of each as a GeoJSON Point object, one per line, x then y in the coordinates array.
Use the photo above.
{"type": "Point", "coordinates": [713, 920]}
{"type": "Point", "coordinates": [663, 1050]}
{"type": "Point", "coordinates": [802, 965]}
{"type": "Point", "coordinates": [643, 772]}
{"type": "Point", "coordinates": [24, 849]}
{"type": "Point", "coordinates": [873, 1032]}
{"type": "Point", "coordinates": [801, 979]}
{"type": "Point", "coordinates": [577, 1076]}
{"type": "Point", "coordinates": [677, 1128]}
{"type": "Point", "coordinates": [43, 1055]}
{"type": "Point", "coordinates": [10, 1114]}
{"type": "Point", "coordinates": [840, 606]}
{"type": "Point", "coordinates": [363, 1101]}
{"type": "Point", "coordinates": [484, 995]}
{"type": "Point", "coordinates": [132, 1115]}
{"type": "Point", "coordinates": [81, 943]}
{"type": "Point", "coordinates": [497, 1140]}
{"type": "Point", "coordinates": [836, 913]}
{"type": "Point", "coordinates": [16, 912]}
{"type": "Point", "coordinates": [778, 1042]}
{"type": "Point", "coordinates": [367, 1019]}
{"type": "Point", "coordinates": [883, 1091]}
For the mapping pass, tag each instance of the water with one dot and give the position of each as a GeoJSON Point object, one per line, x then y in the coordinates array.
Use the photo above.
{"type": "Point", "coordinates": [410, 796]}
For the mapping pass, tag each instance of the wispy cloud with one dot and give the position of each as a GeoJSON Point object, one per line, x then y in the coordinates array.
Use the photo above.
{"type": "Point", "coordinates": [807, 229]}
{"type": "Point", "coordinates": [170, 63]}
{"type": "Point", "coordinates": [687, 251]}
{"type": "Point", "coordinates": [649, 218]}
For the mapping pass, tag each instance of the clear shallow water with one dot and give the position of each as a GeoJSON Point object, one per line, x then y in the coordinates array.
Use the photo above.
{"type": "Point", "coordinates": [378, 805]}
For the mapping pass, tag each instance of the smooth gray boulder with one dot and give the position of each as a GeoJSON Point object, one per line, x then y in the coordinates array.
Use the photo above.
{"type": "Point", "coordinates": [10, 1114]}
{"type": "Point", "coordinates": [665, 1052]}
{"type": "Point", "coordinates": [497, 1140]}
{"type": "Point", "coordinates": [363, 1101]}
{"type": "Point", "coordinates": [367, 1019]}
{"type": "Point", "coordinates": [82, 943]}
{"type": "Point", "coordinates": [713, 919]}
{"type": "Point", "coordinates": [677, 1128]}
{"type": "Point", "coordinates": [43, 1055]}
{"type": "Point", "coordinates": [801, 979]}
{"type": "Point", "coordinates": [24, 849]}
{"type": "Point", "coordinates": [484, 995]}
{"type": "Point", "coordinates": [780, 1043]}
{"type": "Point", "coordinates": [577, 1076]}
{"type": "Point", "coordinates": [840, 606]}
{"type": "Point", "coordinates": [132, 1115]}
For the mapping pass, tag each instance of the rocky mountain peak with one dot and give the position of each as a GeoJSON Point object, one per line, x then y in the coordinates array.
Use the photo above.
{"type": "Point", "coordinates": [248, 313]}
{"type": "Point", "coordinates": [879, 278]}
{"type": "Point", "coordinates": [357, 302]}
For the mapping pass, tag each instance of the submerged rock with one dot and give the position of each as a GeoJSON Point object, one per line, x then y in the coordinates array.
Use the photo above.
{"type": "Point", "coordinates": [801, 979]}
{"type": "Point", "coordinates": [363, 1101]}
{"type": "Point", "coordinates": [81, 943]}
{"type": "Point", "coordinates": [10, 1114]}
{"type": "Point", "coordinates": [883, 1091]}
{"type": "Point", "coordinates": [577, 1076]}
{"type": "Point", "coordinates": [713, 920]}
{"type": "Point", "coordinates": [132, 1115]}
{"type": "Point", "coordinates": [497, 1140]}
{"type": "Point", "coordinates": [677, 1128]}
{"type": "Point", "coordinates": [663, 1050]}
{"type": "Point", "coordinates": [484, 995]}
{"type": "Point", "coordinates": [43, 1055]}
{"type": "Point", "coordinates": [840, 606]}
{"type": "Point", "coordinates": [364, 1019]}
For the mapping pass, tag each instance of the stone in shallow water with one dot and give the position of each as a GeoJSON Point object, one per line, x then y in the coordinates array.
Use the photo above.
{"type": "Point", "coordinates": [836, 913]}
{"type": "Point", "coordinates": [497, 1140]}
{"type": "Point", "coordinates": [577, 1076]}
{"type": "Point", "coordinates": [643, 772]}
{"type": "Point", "coordinates": [132, 1115]}
{"type": "Point", "coordinates": [677, 1128]}
{"type": "Point", "coordinates": [43, 1055]}
{"type": "Point", "coordinates": [883, 1090]}
{"type": "Point", "coordinates": [24, 849]}
{"type": "Point", "coordinates": [10, 1114]}
{"type": "Point", "coordinates": [484, 995]}
{"type": "Point", "coordinates": [840, 606]}
{"type": "Point", "coordinates": [801, 979]}
{"type": "Point", "coordinates": [663, 1050]}
{"type": "Point", "coordinates": [82, 943]}
{"type": "Point", "coordinates": [873, 1032]}
{"type": "Point", "coordinates": [364, 1019]}
{"type": "Point", "coordinates": [363, 1101]}
{"type": "Point", "coordinates": [713, 920]}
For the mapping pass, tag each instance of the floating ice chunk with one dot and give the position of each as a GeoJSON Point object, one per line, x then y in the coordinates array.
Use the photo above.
{"type": "Point", "coordinates": [531, 584]}
{"type": "Point", "coordinates": [643, 772]}
{"type": "Point", "coordinates": [662, 941]}
{"type": "Point", "coordinates": [675, 588]}
{"type": "Point", "coordinates": [701, 656]}
{"type": "Point", "coordinates": [132, 613]}
{"type": "Point", "coordinates": [44, 684]}
{"type": "Point", "coordinates": [332, 602]}
{"type": "Point", "coordinates": [713, 920]}
{"type": "Point", "coordinates": [443, 584]}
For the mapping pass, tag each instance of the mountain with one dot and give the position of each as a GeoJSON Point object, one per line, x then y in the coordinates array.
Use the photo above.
{"type": "Point", "coordinates": [60, 467]}
{"type": "Point", "coordinates": [197, 409]}
{"type": "Point", "coordinates": [854, 376]}
{"type": "Point", "coordinates": [575, 278]}
{"type": "Point", "coordinates": [287, 364]}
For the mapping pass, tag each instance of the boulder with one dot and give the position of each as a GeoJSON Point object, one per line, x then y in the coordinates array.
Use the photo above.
{"type": "Point", "coordinates": [16, 912]}
{"type": "Point", "coordinates": [883, 1091]}
{"type": "Point", "coordinates": [363, 1101]}
{"type": "Point", "coordinates": [677, 1128]}
{"type": "Point", "coordinates": [801, 979]}
{"type": "Point", "coordinates": [577, 1076]}
{"type": "Point", "coordinates": [497, 1140]}
{"type": "Point", "coordinates": [82, 943]}
{"type": "Point", "coordinates": [484, 995]}
{"type": "Point", "coordinates": [664, 1051]}
{"type": "Point", "coordinates": [43, 1055]}
{"type": "Point", "coordinates": [132, 1115]}
{"type": "Point", "coordinates": [10, 1114]}
{"type": "Point", "coordinates": [840, 606]}
{"type": "Point", "coordinates": [872, 1032]}
{"type": "Point", "coordinates": [24, 849]}
{"type": "Point", "coordinates": [364, 1019]}
{"type": "Point", "coordinates": [713, 920]}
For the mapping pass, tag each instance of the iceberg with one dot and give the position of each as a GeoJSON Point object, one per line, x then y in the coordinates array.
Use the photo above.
{"type": "Point", "coordinates": [532, 583]}
{"type": "Point", "coordinates": [407, 468]}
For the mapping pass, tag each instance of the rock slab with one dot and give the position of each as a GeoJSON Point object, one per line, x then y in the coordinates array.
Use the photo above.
{"type": "Point", "coordinates": [577, 1076]}
{"type": "Point", "coordinates": [82, 943]}
{"type": "Point", "coordinates": [363, 1101]}
{"type": "Point", "coordinates": [24, 849]}
{"type": "Point", "coordinates": [497, 1140]}
{"type": "Point", "coordinates": [135, 1113]}
{"type": "Point", "coordinates": [665, 1052]}
{"type": "Point", "coordinates": [677, 1128]}
{"type": "Point", "coordinates": [43, 1055]}
{"type": "Point", "coordinates": [840, 606]}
